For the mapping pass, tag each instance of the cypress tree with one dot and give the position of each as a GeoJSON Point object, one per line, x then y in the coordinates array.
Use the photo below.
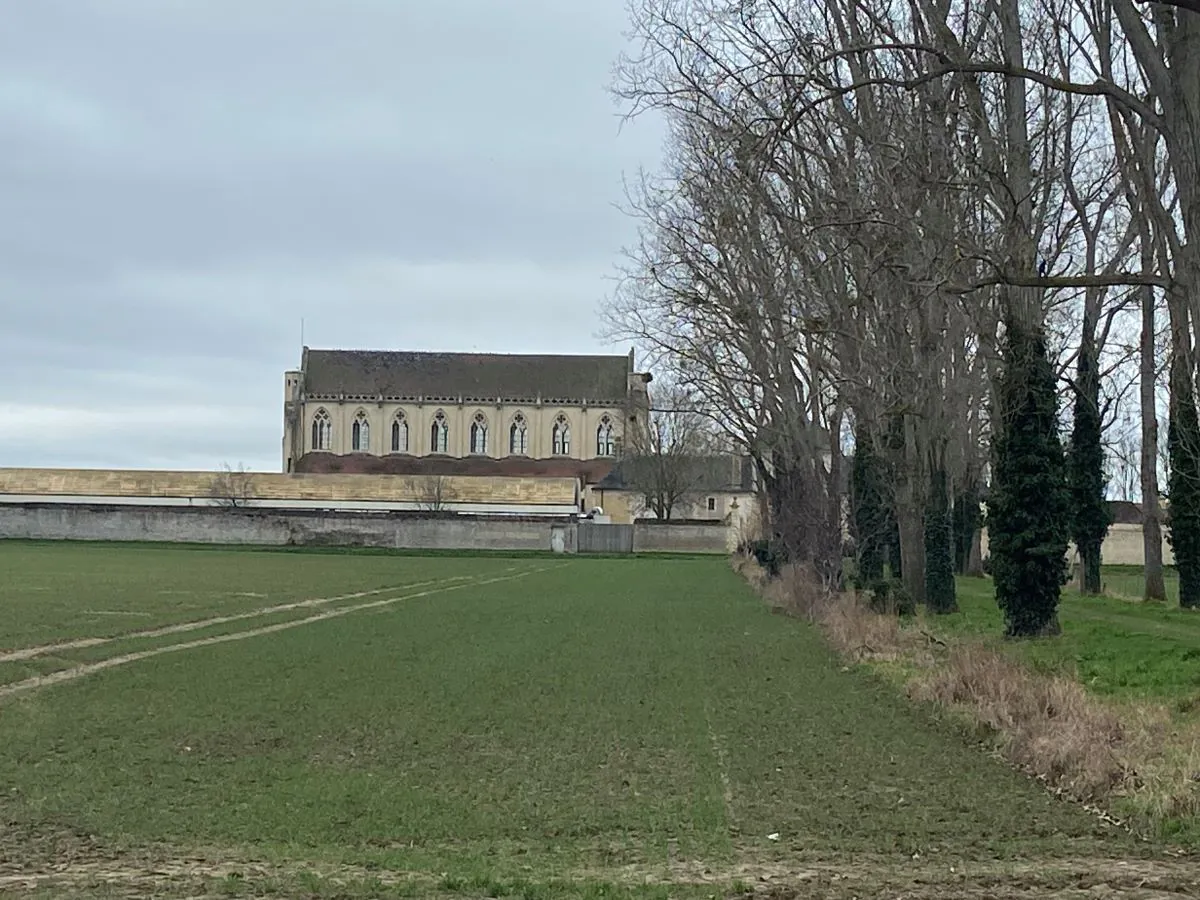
{"type": "Point", "coordinates": [1029, 513]}
{"type": "Point", "coordinates": [939, 547]}
{"type": "Point", "coordinates": [1183, 487]}
{"type": "Point", "coordinates": [1089, 513]}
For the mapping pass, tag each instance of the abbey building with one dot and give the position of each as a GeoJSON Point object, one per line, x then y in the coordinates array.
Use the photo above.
{"type": "Point", "coordinates": [380, 411]}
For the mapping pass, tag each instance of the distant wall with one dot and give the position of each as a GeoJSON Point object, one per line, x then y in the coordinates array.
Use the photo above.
{"type": "Point", "coordinates": [1122, 547]}
{"type": "Point", "coordinates": [490, 493]}
{"type": "Point", "coordinates": [681, 537]}
{"type": "Point", "coordinates": [283, 527]}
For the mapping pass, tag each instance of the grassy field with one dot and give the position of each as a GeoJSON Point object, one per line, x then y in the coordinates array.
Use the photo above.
{"type": "Point", "coordinates": [1116, 646]}
{"type": "Point", "coordinates": [483, 727]}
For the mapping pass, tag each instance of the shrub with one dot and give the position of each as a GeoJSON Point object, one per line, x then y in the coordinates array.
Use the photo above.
{"type": "Point", "coordinates": [890, 597]}
{"type": "Point", "coordinates": [770, 553]}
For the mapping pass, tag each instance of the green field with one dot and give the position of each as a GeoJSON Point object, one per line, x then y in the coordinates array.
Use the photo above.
{"type": "Point", "coordinates": [482, 727]}
{"type": "Point", "coordinates": [1115, 645]}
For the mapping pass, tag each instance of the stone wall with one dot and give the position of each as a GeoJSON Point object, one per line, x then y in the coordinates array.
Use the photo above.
{"type": "Point", "coordinates": [1122, 547]}
{"type": "Point", "coordinates": [211, 525]}
{"type": "Point", "coordinates": [265, 487]}
{"type": "Point", "coordinates": [681, 537]}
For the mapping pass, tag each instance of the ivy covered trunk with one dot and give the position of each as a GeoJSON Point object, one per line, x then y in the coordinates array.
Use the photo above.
{"type": "Point", "coordinates": [1089, 512]}
{"type": "Point", "coordinates": [869, 514]}
{"type": "Point", "coordinates": [1029, 503]}
{"type": "Point", "coordinates": [1183, 446]}
{"type": "Point", "coordinates": [939, 547]}
{"type": "Point", "coordinates": [803, 517]}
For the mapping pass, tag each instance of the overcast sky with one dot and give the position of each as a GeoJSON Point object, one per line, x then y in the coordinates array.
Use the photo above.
{"type": "Point", "coordinates": [184, 180]}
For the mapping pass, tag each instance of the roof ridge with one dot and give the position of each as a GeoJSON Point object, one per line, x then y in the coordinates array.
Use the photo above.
{"type": "Point", "coordinates": [613, 356]}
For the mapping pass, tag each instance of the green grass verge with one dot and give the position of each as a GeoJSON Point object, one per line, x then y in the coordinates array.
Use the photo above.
{"type": "Point", "coordinates": [1117, 647]}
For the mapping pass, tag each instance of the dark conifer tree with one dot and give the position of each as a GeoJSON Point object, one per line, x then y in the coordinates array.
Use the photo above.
{"type": "Point", "coordinates": [1029, 513]}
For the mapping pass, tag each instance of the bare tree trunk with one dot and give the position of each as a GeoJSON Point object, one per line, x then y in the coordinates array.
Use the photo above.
{"type": "Point", "coordinates": [975, 559]}
{"type": "Point", "coordinates": [1155, 589]}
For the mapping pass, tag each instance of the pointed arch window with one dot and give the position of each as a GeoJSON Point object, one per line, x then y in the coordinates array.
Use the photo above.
{"type": "Point", "coordinates": [561, 436]}
{"type": "Point", "coordinates": [322, 431]}
{"type": "Point", "coordinates": [479, 434]}
{"type": "Point", "coordinates": [399, 434]}
{"type": "Point", "coordinates": [604, 437]}
{"type": "Point", "coordinates": [360, 434]}
{"type": "Point", "coordinates": [439, 434]}
{"type": "Point", "coordinates": [518, 437]}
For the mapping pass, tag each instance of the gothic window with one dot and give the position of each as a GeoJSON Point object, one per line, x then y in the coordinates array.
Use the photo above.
{"type": "Point", "coordinates": [604, 437]}
{"type": "Point", "coordinates": [561, 435]}
{"type": "Point", "coordinates": [360, 434]}
{"type": "Point", "coordinates": [439, 434]}
{"type": "Point", "coordinates": [322, 431]}
{"type": "Point", "coordinates": [399, 434]}
{"type": "Point", "coordinates": [518, 437]}
{"type": "Point", "coordinates": [479, 432]}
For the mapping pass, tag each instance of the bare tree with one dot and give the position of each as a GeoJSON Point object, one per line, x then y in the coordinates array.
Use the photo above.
{"type": "Point", "coordinates": [431, 492]}
{"type": "Point", "coordinates": [669, 462]}
{"type": "Point", "coordinates": [232, 488]}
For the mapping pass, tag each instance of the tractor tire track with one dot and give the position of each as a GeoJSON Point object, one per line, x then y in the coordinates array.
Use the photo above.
{"type": "Point", "coordinates": [82, 671]}
{"type": "Point", "coordinates": [25, 653]}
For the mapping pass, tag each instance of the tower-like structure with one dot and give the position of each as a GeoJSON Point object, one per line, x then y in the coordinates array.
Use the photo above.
{"type": "Point", "coordinates": [293, 412]}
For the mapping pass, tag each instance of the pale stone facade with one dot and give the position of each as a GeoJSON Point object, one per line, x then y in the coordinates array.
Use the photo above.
{"type": "Point", "coordinates": [461, 405]}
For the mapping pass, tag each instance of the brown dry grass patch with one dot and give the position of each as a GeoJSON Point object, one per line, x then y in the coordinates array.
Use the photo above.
{"type": "Point", "coordinates": [1046, 724]}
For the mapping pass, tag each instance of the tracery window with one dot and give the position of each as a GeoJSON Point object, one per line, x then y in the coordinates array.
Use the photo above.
{"type": "Point", "coordinates": [561, 436]}
{"type": "Point", "coordinates": [479, 433]}
{"type": "Point", "coordinates": [322, 431]}
{"type": "Point", "coordinates": [439, 434]}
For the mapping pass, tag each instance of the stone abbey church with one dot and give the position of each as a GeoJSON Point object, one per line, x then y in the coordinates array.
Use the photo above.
{"type": "Point", "coordinates": [403, 412]}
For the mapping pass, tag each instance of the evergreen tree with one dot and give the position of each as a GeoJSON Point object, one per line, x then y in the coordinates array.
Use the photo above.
{"type": "Point", "coordinates": [1089, 512]}
{"type": "Point", "coordinates": [939, 547]}
{"type": "Point", "coordinates": [1029, 514]}
{"type": "Point", "coordinates": [1183, 487]}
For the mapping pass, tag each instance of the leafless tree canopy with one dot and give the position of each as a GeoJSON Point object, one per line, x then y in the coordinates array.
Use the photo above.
{"type": "Point", "coordinates": [233, 488]}
{"type": "Point", "coordinates": [856, 195]}
{"type": "Point", "coordinates": [667, 464]}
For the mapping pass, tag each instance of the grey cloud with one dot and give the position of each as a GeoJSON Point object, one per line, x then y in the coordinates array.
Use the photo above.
{"type": "Point", "coordinates": [185, 179]}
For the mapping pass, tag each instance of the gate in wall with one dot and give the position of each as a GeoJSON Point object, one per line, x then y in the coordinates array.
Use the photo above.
{"type": "Point", "coordinates": [593, 537]}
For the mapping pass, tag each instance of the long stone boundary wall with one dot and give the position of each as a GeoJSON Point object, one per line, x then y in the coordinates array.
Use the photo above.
{"type": "Point", "coordinates": [211, 525]}
{"type": "Point", "coordinates": [264, 488]}
{"type": "Point", "coordinates": [681, 537]}
{"type": "Point", "coordinates": [283, 527]}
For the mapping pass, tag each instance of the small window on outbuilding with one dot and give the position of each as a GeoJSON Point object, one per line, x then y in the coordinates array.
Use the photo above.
{"type": "Point", "coordinates": [712, 504]}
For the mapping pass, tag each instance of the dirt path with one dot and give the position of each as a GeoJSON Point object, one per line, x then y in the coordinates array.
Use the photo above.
{"type": "Point", "coordinates": [82, 671]}
{"type": "Point", "coordinates": [25, 653]}
{"type": "Point", "coordinates": [837, 879]}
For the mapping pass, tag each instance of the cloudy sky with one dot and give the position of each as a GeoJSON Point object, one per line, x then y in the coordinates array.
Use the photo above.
{"type": "Point", "coordinates": [184, 180]}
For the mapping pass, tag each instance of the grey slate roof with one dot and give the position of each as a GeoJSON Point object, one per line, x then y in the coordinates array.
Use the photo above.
{"type": "Point", "coordinates": [473, 376]}
{"type": "Point", "coordinates": [715, 474]}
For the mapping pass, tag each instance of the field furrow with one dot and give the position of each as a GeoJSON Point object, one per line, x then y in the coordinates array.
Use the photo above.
{"type": "Point", "coordinates": [535, 728]}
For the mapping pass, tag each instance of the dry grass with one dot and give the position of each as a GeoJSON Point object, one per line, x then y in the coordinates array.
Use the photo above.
{"type": "Point", "coordinates": [1102, 753]}
{"type": "Point", "coordinates": [1047, 724]}
{"type": "Point", "coordinates": [854, 630]}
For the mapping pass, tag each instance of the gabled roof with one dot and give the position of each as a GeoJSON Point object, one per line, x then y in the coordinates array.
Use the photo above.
{"type": "Point", "coordinates": [714, 474]}
{"type": "Point", "coordinates": [407, 375]}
